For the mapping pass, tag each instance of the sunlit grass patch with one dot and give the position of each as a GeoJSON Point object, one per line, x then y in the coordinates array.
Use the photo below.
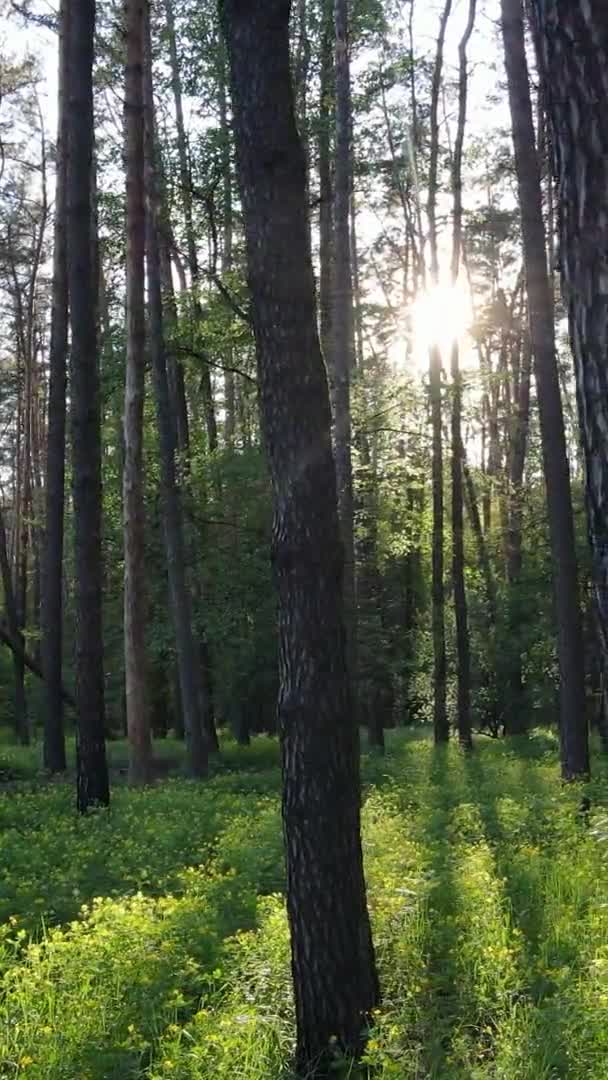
{"type": "Point", "coordinates": [488, 892]}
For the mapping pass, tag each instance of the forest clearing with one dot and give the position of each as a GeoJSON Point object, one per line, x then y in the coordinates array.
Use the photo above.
{"type": "Point", "coordinates": [153, 942]}
{"type": "Point", "coordinates": [303, 539]}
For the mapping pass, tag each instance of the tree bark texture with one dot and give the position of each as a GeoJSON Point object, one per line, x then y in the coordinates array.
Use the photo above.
{"type": "Point", "coordinates": [573, 726]}
{"type": "Point", "coordinates": [335, 983]}
{"type": "Point", "coordinates": [138, 728]}
{"type": "Point", "coordinates": [573, 58]}
{"type": "Point", "coordinates": [92, 782]}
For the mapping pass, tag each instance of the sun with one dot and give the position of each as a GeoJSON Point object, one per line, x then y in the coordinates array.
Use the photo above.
{"type": "Point", "coordinates": [440, 316]}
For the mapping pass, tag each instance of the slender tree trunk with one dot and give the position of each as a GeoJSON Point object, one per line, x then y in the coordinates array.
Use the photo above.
{"type": "Point", "coordinates": [229, 389]}
{"type": "Point", "coordinates": [172, 512]}
{"type": "Point", "coordinates": [460, 597]}
{"type": "Point", "coordinates": [326, 217]}
{"type": "Point", "coordinates": [440, 717]}
{"type": "Point", "coordinates": [14, 631]}
{"type": "Point", "coordinates": [92, 784]}
{"type": "Point", "coordinates": [573, 58]}
{"type": "Point", "coordinates": [138, 727]}
{"type": "Point", "coordinates": [335, 983]}
{"type": "Point", "coordinates": [515, 719]}
{"type": "Point", "coordinates": [52, 575]}
{"type": "Point", "coordinates": [573, 727]}
{"type": "Point", "coordinates": [186, 195]}
{"type": "Point", "coordinates": [343, 346]}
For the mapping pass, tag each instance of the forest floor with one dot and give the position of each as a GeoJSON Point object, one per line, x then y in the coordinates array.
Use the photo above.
{"type": "Point", "coordinates": [151, 940]}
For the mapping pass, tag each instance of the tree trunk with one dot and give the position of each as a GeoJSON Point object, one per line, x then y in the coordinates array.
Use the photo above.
{"type": "Point", "coordinates": [13, 628]}
{"type": "Point", "coordinates": [229, 389]}
{"type": "Point", "coordinates": [326, 217]}
{"type": "Point", "coordinates": [460, 596]}
{"type": "Point", "coordinates": [138, 727]}
{"type": "Point", "coordinates": [52, 576]}
{"type": "Point", "coordinates": [335, 983]}
{"type": "Point", "coordinates": [515, 719]}
{"type": "Point", "coordinates": [92, 783]}
{"type": "Point", "coordinates": [441, 726]}
{"type": "Point", "coordinates": [573, 58]}
{"type": "Point", "coordinates": [343, 346]}
{"type": "Point", "coordinates": [186, 196]}
{"type": "Point", "coordinates": [573, 727]}
{"type": "Point", "coordinates": [172, 512]}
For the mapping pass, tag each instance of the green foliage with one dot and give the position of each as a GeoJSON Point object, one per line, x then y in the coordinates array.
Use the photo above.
{"type": "Point", "coordinates": [171, 957]}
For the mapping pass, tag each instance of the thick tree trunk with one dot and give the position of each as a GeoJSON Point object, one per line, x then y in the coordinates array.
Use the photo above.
{"type": "Point", "coordinates": [573, 58]}
{"type": "Point", "coordinates": [343, 344]}
{"type": "Point", "coordinates": [93, 786]}
{"type": "Point", "coordinates": [138, 727]}
{"type": "Point", "coordinates": [335, 982]}
{"type": "Point", "coordinates": [440, 717]}
{"type": "Point", "coordinates": [52, 574]}
{"type": "Point", "coordinates": [573, 727]}
{"type": "Point", "coordinates": [172, 512]}
{"type": "Point", "coordinates": [463, 718]}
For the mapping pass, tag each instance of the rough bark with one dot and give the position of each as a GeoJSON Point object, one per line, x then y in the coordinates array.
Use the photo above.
{"type": "Point", "coordinates": [92, 782]}
{"type": "Point", "coordinates": [335, 983]}
{"type": "Point", "coordinates": [138, 727]}
{"type": "Point", "coordinates": [463, 708]}
{"type": "Point", "coordinates": [573, 58]}
{"type": "Point", "coordinates": [52, 574]}
{"type": "Point", "coordinates": [573, 727]}
{"type": "Point", "coordinates": [172, 511]}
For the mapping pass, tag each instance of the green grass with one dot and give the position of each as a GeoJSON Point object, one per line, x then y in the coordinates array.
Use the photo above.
{"type": "Point", "coordinates": [150, 941]}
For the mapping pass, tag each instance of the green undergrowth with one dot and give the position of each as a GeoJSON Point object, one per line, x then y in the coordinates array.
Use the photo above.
{"type": "Point", "coordinates": [150, 941]}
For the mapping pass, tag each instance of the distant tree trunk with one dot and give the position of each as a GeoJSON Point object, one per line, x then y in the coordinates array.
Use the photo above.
{"type": "Point", "coordinates": [301, 70]}
{"type": "Point", "coordinates": [460, 596]}
{"type": "Point", "coordinates": [573, 727]}
{"type": "Point", "coordinates": [14, 631]}
{"type": "Point", "coordinates": [52, 575]}
{"type": "Point", "coordinates": [326, 217]}
{"type": "Point", "coordinates": [573, 58]}
{"type": "Point", "coordinates": [440, 717]}
{"type": "Point", "coordinates": [515, 719]}
{"type": "Point", "coordinates": [186, 197]}
{"type": "Point", "coordinates": [229, 390]}
{"type": "Point", "coordinates": [335, 983]}
{"type": "Point", "coordinates": [92, 783]}
{"type": "Point", "coordinates": [138, 727]}
{"type": "Point", "coordinates": [172, 512]}
{"type": "Point", "coordinates": [343, 345]}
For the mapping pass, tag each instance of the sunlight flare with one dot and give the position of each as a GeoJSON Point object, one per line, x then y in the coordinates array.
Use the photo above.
{"type": "Point", "coordinates": [440, 316]}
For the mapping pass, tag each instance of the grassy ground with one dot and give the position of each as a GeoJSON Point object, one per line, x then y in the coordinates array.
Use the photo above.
{"type": "Point", "coordinates": [150, 940]}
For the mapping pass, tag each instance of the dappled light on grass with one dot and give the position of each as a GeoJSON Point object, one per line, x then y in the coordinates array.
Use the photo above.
{"type": "Point", "coordinates": [486, 889]}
